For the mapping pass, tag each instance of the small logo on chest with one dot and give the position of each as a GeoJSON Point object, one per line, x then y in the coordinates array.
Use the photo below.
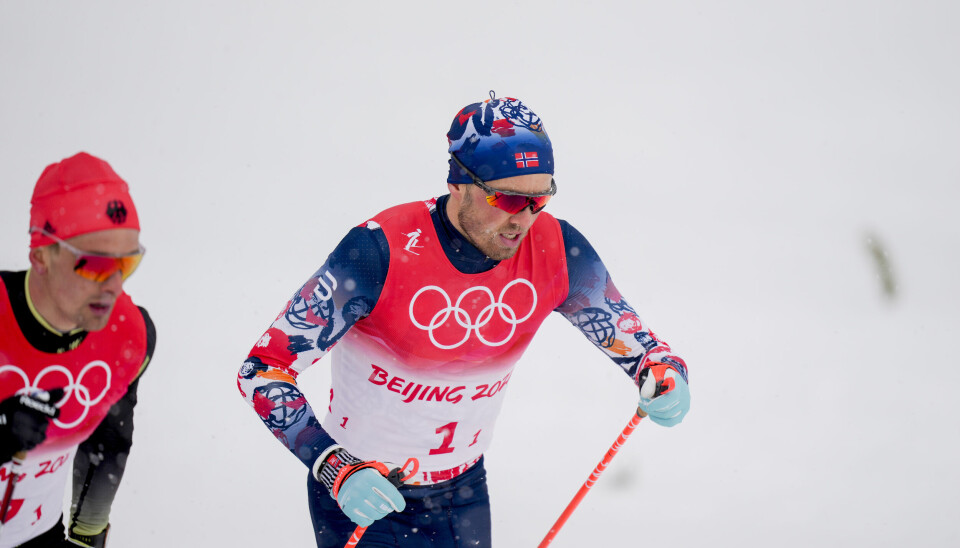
{"type": "Point", "coordinates": [413, 241]}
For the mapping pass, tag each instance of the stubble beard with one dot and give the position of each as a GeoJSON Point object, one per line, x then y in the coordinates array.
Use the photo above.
{"type": "Point", "coordinates": [87, 320]}
{"type": "Point", "coordinates": [90, 322]}
{"type": "Point", "coordinates": [94, 324]}
{"type": "Point", "coordinates": [484, 239]}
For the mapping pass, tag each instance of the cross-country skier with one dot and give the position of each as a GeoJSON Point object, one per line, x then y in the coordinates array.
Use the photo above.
{"type": "Point", "coordinates": [72, 351]}
{"type": "Point", "coordinates": [427, 335]}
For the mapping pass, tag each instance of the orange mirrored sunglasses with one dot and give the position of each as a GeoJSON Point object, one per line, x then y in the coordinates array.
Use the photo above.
{"type": "Point", "coordinates": [99, 267]}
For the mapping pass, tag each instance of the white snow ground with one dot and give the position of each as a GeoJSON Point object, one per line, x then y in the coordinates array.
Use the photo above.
{"type": "Point", "coordinates": [728, 160]}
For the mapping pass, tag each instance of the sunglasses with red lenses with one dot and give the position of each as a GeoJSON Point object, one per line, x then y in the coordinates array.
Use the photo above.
{"type": "Point", "coordinates": [99, 267]}
{"type": "Point", "coordinates": [509, 201]}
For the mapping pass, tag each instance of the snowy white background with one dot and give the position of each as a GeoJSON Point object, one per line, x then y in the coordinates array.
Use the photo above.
{"type": "Point", "coordinates": [729, 160]}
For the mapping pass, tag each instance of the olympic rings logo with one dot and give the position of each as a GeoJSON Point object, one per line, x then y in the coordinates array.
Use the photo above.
{"type": "Point", "coordinates": [73, 388]}
{"type": "Point", "coordinates": [462, 317]}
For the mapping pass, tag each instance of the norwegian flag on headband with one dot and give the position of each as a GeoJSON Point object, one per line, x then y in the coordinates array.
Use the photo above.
{"type": "Point", "coordinates": [495, 139]}
{"type": "Point", "coordinates": [527, 159]}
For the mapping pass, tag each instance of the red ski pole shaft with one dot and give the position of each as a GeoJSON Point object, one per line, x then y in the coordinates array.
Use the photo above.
{"type": "Point", "coordinates": [621, 439]}
{"type": "Point", "coordinates": [355, 537]}
{"type": "Point", "coordinates": [15, 465]}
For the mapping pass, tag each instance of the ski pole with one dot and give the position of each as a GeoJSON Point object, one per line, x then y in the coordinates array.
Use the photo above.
{"type": "Point", "coordinates": [397, 478]}
{"type": "Point", "coordinates": [355, 537]}
{"type": "Point", "coordinates": [15, 465]}
{"type": "Point", "coordinates": [621, 439]}
{"type": "Point", "coordinates": [41, 401]}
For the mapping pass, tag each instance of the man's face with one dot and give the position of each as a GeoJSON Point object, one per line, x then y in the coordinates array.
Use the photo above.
{"type": "Point", "coordinates": [68, 301]}
{"type": "Point", "coordinates": [493, 231]}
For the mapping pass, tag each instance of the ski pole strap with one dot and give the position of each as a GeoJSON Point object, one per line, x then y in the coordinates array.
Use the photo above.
{"type": "Point", "coordinates": [336, 465]}
{"type": "Point", "coordinates": [328, 466]}
{"type": "Point", "coordinates": [48, 409]}
{"type": "Point", "coordinates": [352, 469]}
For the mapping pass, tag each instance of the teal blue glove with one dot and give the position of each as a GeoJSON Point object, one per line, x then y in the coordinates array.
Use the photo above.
{"type": "Point", "coordinates": [664, 394]}
{"type": "Point", "coordinates": [366, 496]}
{"type": "Point", "coordinates": [365, 490]}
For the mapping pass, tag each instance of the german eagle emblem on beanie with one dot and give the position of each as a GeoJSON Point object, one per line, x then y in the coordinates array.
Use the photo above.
{"type": "Point", "coordinates": [78, 195]}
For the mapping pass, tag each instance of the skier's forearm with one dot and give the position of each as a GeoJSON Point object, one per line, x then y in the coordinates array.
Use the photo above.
{"type": "Point", "coordinates": [595, 306]}
{"type": "Point", "coordinates": [341, 292]}
{"type": "Point", "coordinates": [273, 393]}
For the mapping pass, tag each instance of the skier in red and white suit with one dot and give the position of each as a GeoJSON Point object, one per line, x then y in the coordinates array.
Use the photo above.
{"type": "Point", "coordinates": [72, 351]}
{"type": "Point", "coordinates": [430, 305]}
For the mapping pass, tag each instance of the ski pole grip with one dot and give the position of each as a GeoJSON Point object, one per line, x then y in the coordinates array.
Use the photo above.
{"type": "Point", "coordinates": [640, 413]}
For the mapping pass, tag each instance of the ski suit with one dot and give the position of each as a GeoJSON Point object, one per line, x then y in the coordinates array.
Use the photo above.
{"type": "Point", "coordinates": [428, 331]}
{"type": "Point", "coordinates": [99, 373]}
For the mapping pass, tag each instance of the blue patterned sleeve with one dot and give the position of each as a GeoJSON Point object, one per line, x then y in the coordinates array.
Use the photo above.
{"type": "Point", "coordinates": [344, 290]}
{"type": "Point", "coordinates": [596, 308]}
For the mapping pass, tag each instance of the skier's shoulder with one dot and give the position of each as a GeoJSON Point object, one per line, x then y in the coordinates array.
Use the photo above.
{"type": "Point", "coordinates": [372, 231]}
{"type": "Point", "coordinates": [401, 211]}
{"type": "Point", "coordinates": [577, 246]}
{"type": "Point", "coordinates": [151, 332]}
{"type": "Point", "coordinates": [364, 245]}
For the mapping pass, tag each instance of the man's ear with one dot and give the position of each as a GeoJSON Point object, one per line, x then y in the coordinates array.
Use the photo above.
{"type": "Point", "coordinates": [39, 260]}
{"type": "Point", "coordinates": [457, 191]}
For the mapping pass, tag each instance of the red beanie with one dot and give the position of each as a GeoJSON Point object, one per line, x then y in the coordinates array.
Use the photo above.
{"type": "Point", "coordinates": [78, 195]}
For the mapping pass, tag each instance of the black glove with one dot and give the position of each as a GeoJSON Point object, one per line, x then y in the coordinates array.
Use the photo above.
{"type": "Point", "coordinates": [24, 420]}
{"type": "Point", "coordinates": [90, 541]}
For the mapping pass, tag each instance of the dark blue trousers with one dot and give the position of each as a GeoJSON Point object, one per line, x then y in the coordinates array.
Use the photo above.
{"type": "Point", "coordinates": [451, 514]}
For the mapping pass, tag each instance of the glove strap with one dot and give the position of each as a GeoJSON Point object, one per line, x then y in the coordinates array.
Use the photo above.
{"type": "Point", "coordinates": [659, 381]}
{"type": "Point", "coordinates": [328, 466]}
{"type": "Point", "coordinates": [48, 409]}
{"type": "Point", "coordinates": [351, 469]}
